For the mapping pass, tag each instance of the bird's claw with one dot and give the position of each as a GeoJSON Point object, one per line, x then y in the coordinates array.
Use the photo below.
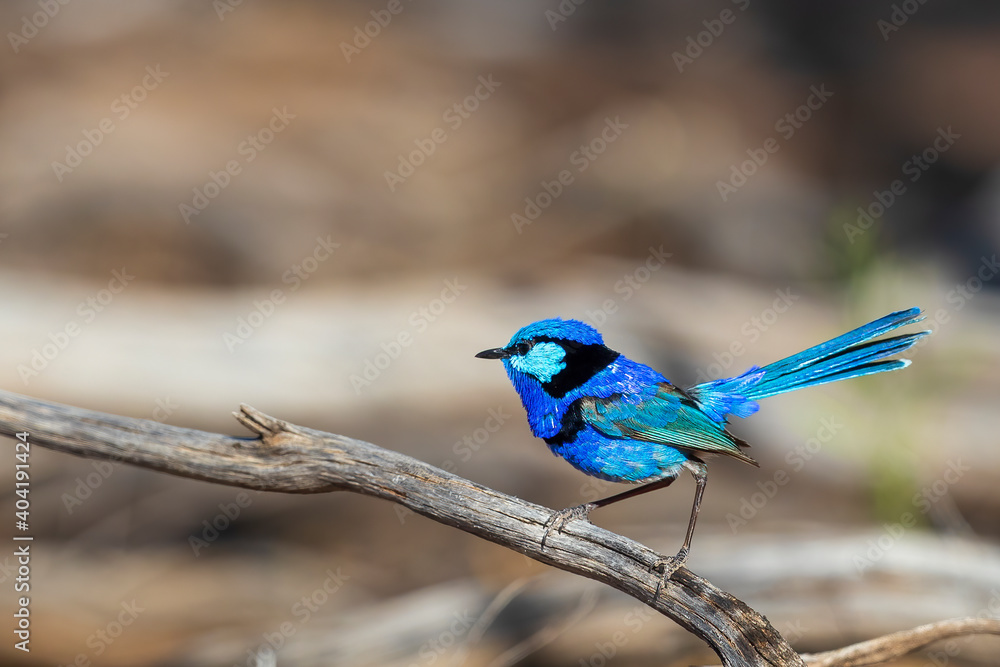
{"type": "Point", "coordinates": [559, 519]}
{"type": "Point", "coordinates": [667, 567]}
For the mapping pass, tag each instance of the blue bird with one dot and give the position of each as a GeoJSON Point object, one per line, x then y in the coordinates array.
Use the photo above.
{"type": "Point", "coordinates": [619, 420]}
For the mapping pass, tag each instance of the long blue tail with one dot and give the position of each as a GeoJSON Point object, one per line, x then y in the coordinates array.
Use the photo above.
{"type": "Point", "coordinates": [850, 355]}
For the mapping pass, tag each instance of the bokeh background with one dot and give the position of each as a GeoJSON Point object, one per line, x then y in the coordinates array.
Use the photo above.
{"type": "Point", "coordinates": [210, 203]}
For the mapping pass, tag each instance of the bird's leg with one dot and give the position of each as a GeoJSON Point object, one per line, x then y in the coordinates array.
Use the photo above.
{"type": "Point", "coordinates": [668, 566]}
{"type": "Point", "coordinates": [559, 519]}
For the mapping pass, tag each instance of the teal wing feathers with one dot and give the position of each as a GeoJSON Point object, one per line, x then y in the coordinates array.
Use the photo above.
{"type": "Point", "coordinates": [668, 416]}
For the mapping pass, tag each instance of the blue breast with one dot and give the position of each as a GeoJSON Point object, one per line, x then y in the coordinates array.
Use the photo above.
{"type": "Point", "coordinates": [613, 459]}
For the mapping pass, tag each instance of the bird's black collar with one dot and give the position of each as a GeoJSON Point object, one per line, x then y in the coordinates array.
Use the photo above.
{"type": "Point", "coordinates": [582, 363]}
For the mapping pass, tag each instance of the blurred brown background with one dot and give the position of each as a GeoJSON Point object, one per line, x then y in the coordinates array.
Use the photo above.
{"type": "Point", "coordinates": [203, 204]}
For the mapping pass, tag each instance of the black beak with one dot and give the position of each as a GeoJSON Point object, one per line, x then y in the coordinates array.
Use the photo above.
{"type": "Point", "coordinates": [495, 353]}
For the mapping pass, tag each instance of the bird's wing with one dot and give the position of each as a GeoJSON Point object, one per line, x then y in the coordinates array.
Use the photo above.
{"type": "Point", "coordinates": [668, 416]}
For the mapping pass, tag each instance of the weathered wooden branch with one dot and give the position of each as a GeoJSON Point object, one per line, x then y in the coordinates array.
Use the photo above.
{"type": "Point", "coordinates": [292, 459]}
{"type": "Point", "coordinates": [899, 644]}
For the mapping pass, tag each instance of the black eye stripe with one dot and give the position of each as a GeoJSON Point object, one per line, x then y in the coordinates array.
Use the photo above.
{"type": "Point", "coordinates": [582, 363]}
{"type": "Point", "coordinates": [570, 346]}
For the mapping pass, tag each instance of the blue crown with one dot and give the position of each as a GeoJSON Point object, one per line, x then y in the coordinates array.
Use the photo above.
{"type": "Point", "coordinates": [559, 329]}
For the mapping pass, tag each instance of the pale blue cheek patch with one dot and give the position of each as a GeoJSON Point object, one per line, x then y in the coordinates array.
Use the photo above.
{"type": "Point", "coordinates": [544, 361]}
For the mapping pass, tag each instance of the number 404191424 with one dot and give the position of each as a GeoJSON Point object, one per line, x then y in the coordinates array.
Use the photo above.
{"type": "Point", "coordinates": [22, 451]}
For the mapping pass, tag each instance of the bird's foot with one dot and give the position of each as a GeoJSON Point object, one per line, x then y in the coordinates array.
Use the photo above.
{"type": "Point", "coordinates": [559, 519]}
{"type": "Point", "coordinates": [667, 566]}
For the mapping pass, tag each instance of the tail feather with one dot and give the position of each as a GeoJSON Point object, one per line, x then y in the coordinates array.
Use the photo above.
{"type": "Point", "coordinates": [836, 366]}
{"type": "Point", "coordinates": [862, 334]}
{"type": "Point", "coordinates": [853, 372]}
{"type": "Point", "coordinates": [846, 356]}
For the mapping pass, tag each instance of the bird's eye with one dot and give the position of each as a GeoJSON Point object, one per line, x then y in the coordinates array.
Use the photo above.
{"type": "Point", "coordinates": [521, 348]}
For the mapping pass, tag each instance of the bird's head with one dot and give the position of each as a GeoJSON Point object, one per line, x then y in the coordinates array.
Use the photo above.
{"type": "Point", "coordinates": [557, 354]}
